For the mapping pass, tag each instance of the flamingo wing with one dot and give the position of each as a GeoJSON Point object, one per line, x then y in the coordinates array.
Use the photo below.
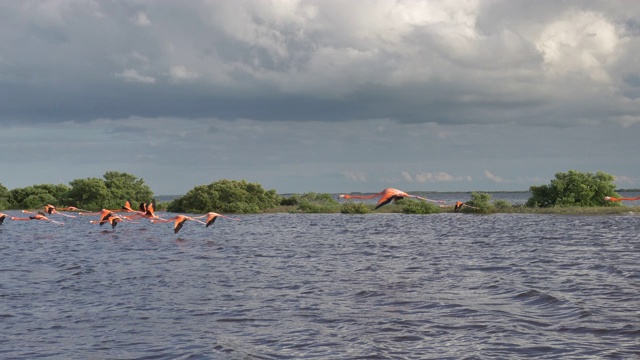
{"type": "Point", "coordinates": [113, 220]}
{"type": "Point", "coordinates": [385, 200]}
{"type": "Point", "coordinates": [105, 216]}
{"type": "Point", "coordinates": [390, 194]}
{"type": "Point", "coordinates": [2, 217]}
{"type": "Point", "coordinates": [177, 225]}
{"type": "Point", "coordinates": [211, 219]}
{"type": "Point", "coordinates": [127, 206]}
{"type": "Point", "coordinates": [150, 213]}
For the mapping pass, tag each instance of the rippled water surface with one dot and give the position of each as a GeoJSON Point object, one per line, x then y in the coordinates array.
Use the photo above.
{"type": "Point", "coordinates": [329, 286]}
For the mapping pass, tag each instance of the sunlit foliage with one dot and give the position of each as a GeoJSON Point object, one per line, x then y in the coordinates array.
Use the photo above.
{"type": "Point", "coordinates": [574, 188]}
{"type": "Point", "coordinates": [480, 201]}
{"type": "Point", "coordinates": [317, 203]}
{"type": "Point", "coordinates": [355, 208]}
{"type": "Point", "coordinates": [502, 204]}
{"type": "Point", "coordinates": [37, 195]}
{"type": "Point", "coordinates": [5, 197]}
{"type": "Point", "coordinates": [89, 193]}
{"type": "Point", "coordinates": [228, 196]}
{"type": "Point", "coordinates": [411, 206]}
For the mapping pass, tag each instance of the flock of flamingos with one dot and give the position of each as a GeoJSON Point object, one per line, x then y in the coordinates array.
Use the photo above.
{"type": "Point", "coordinates": [113, 217]}
{"type": "Point", "coordinates": [146, 211]}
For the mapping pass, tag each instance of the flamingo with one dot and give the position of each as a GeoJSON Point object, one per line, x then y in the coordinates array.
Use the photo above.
{"type": "Point", "coordinates": [386, 196]}
{"type": "Point", "coordinates": [71, 208]}
{"type": "Point", "coordinates": [113, 220]}
{"type": "Point", "coordinates": [178, 221]}
{"type": "Point", "coordinates": [107, 216]}
{"type": "Point", "coordinates": [50, 209]}
{"type": "Point", "coordinates": [613, 199]}
{"type": "Point", "coordinates": [125, 208]}
{"type": "Point", "coordinates": [212, 216]}
{"type": "Point", "coordinates": [459, 205]}
{"type": "Point", "coordinates": [149, 211]}
{"type": "Point", "coordinates": [2, 217]}
{"type": "Point", "coordinates": [39, 216]}
{"type": "Point", "coordinates": [146, 211]}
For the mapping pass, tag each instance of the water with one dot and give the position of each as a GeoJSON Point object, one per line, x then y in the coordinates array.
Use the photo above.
{"type": "Point", "coordinates": [323, 286]}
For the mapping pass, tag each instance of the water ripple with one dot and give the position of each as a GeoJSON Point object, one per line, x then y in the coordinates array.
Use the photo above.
{"type": "Point", "coordinates": [292, 286]}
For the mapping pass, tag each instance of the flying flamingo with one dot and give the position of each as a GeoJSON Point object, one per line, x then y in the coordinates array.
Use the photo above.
{"type": "Point", "coordinates": [50, 209]}
{"type": "Point", "coordinates": [38, 216]}
{"type": "Point", "coordinates": [614, 199]}
{"type": "Point", "coordinates": [178, 221]}
{"type": "Point", "coordinates": [459, 205]}
{"type": "Point", "coordinates": [212, 216]}
{"type": "Point", "coordinates": [125, 208]}
{"type": "Point", "coordinates": [112, 219]}
{"type": "Point", "coordinates": [148, 212]}
{"type": "Point", "coordinates": [107, 216]}
{"type": "Point", "coordinates": [386, 196]}
{"type": "Point", "coordinates": [71, 208]}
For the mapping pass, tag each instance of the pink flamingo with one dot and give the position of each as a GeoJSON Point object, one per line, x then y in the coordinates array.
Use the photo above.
{"type": "Point", "coordinates": [387, 195]}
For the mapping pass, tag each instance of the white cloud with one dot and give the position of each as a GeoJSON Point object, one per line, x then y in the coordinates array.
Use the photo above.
{"type": "Point", "coordinates": [494, 178]}
{"type": "Point", "coordinates": [131, 75]}
{"type": "Point", "coordinates": [357, 176]}
{"type": "Point", "coordinates": [628, 180]}
{"type": "Point", "coordinates": [627, 120]}
{"type": "Point", "coordinates": [437, 177]}
{"type": "Point", "coordinates": [581, 41]}
{"type": "Point", "coordinates": [141, 19]}
{"type": "Point", "coordinates": [181, 73]}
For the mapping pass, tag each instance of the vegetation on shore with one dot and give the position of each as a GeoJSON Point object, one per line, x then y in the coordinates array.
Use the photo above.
{"type": "Point", "coordinates": [569, 193]}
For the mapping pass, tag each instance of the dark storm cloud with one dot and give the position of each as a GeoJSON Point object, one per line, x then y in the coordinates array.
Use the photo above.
{"type": "Point", "coordinates": [315, 95]}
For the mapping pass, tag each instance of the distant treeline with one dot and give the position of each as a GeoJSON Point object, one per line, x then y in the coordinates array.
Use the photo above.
{"type": "Point", "coordinates": [572, 188]}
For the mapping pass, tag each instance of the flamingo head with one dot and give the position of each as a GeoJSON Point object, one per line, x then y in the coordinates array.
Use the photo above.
{"type": "Point", "coordinates": [343, 196]}
{"type": "Point", "coordinates": [607, 198]}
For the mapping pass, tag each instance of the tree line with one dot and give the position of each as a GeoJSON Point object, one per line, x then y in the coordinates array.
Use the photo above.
{"type": "Point", "coordinates": [572, 188]}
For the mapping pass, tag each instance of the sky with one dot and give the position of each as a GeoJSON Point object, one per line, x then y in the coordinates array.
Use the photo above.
{"type": "Point", "coordinates": [320, 96]}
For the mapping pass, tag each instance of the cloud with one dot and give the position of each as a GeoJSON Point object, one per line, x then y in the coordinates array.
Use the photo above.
{"type": "Point", "coordinates": [141, 19]}
{"type": "Point", "coordinates": [324, 92]}
{"type": "Point", "coordinates": [357, 176]}
{"type": "Point", "coordinates": [494, 178]}
{"type": "Point", "coordinates": [627, 180]}
{"type": "Point", "coordinates": [581, 41]}
{"type": "Point", "coordinates": [131, 75]}
{"type": "Point", "coordinates": [428, 177]}
{"type": "Point", "coordinates": [627, 120]}
{"type": "Point", "coordinates": [445, 62]}
{"type": "Point", "coordinates": [181, 73]}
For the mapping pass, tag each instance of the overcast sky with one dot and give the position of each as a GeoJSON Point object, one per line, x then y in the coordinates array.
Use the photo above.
{"type": "Point", "coordinates": [320, 96]}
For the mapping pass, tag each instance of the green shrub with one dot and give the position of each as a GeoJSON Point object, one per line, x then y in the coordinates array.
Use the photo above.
{"type": "Point", "coordinates": [5, 197]}
{"type": "Point", "coordinates": [411, 206]}
{"type": "Point", "coordinates": [573, 188]}
{"type": "Point", "coordinates": [317, 203]}
{"type": "Point", "coordinates": [480, 201]}
{"type": "Point", "coordinates": [292, 200]}
{"type": "Point", "coordinates": [502, 204]}
{"type": "Point", "coordinates": [227, 196]}
{"type": "Point", "coordinates": [354, 208]}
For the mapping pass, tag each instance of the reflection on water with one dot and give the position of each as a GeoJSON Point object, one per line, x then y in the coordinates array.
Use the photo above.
{"type": "Point", "coordinates": [281, 286]}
